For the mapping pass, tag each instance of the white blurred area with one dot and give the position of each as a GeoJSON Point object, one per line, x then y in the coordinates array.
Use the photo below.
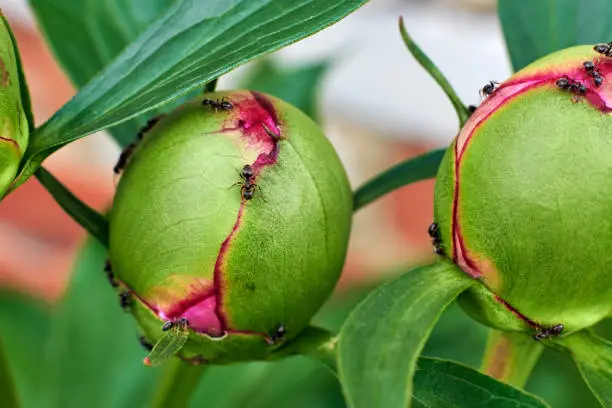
{"type": "Point", "coordinates": [379, 108]}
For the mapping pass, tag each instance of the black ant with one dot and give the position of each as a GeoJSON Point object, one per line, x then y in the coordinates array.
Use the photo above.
{"type": "Point", "coordinates": [150, 123]}
{"type": "Point", "coordinates": [108, 269]}
{"type": "Point", "coordinates": [593, 71]}
{"type": "Point", "coordinates": [248, 186]}
{"type": "Point", "coordinates": [219, 104]}
{"type": "Point", "coordinates": [488, 89]}
{"type": "Point", "coordinates": [277, 336]}
{"type": "Point", "coordinates": [472, 108]}
{"type": "Point", "coordinates": [571, 85]}
{"type": "Point", "coordinates": [125, 298]}
{"type": "Point", "coordinates": [604, 49]}
{"type": "Point", "coordinates": [145, 343]}
{"type": "Point", "coordinates": [125, 155]}
{"type": "Point", "coordinates": [184, 323]}
{"type": "Point", "coordinates": [545, 333]}
{"type": "Point", "coordinates": [434, 233]}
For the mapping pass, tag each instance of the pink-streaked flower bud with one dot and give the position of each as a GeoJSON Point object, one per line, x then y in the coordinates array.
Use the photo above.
{"type": "Point", "coordinates": [233, 213]}
{"type": "Point", "coordinates": [14, 127]}
{"type": "Point", "coordinates": [523, 198]}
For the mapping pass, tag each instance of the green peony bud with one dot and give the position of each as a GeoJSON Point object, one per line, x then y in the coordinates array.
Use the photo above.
{"type": "Point", "coordinates": [523, 198]}
{"type": "Point", "coordinates": [234, 214]}
{"type": "Point", "coordinates": [14, 128]}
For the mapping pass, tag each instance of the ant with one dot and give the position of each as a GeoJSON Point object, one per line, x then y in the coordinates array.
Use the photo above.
{"type": "Point", "coordinates": [108, 269]}
{"type": "Point", "coordinates": [545, 333]}
{"type": "Point", "coordinates": [150, 123]}
{"type": "Point", "coordinates": [488, 89]}
{"type": "Point", "coordinates": [184, 323]}
{"type": "Point", "coordinates": [277, 336]}
{"type": "Point", "coordinates": [248, 186]}
{"type": "Point", "coordinates": [125, 299]}
{"type": "Point", "coordinates": [592, 70]}
{"type": "Point", "coordinates": [218, 105]}
{"type": "Point", "coordinates": [145, 343]}
{"type": "Point", "coordinates": [472, 108]}
{"type": "Point", "coordinates": [571, 85]}
{"type": "Point", "coordinates": [125, 155]}
{"type": "Point", "coordinates": [604, 49]}
{"type": "Point", "coordinates": [434, 233]}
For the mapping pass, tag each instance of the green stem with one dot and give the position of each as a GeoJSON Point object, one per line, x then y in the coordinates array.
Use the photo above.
{"type": "Point", "coordinates": [8, 397]}
{"type": "Point", "coordinates": [315, 343]}
{"type": "Point", "coordinates": [416, 169]}
{"type": "Point", "coordinates": [430, 67]}
{"type": "Point", "coordinates": [177, 385]}
{"type": "Point", "coordinates": [510, 356]}
{"type": "Point", "coordinates": [94, 222]}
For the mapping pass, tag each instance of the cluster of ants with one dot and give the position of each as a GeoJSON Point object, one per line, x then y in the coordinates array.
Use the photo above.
{"type": "Point", "coordinates": [564, 83]}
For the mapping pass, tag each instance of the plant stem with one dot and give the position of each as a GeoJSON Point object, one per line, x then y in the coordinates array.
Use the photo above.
{"type": "Point", "coordinates": [430, 67]}
{"type": "Point", "coordinates": [94, 222]}
{"type": "Point", "coordinates": [8, 397]}
{"type": "Point", "coordinates": [510, 356]}
{"type": "Point", "coordinates": [177, 384]}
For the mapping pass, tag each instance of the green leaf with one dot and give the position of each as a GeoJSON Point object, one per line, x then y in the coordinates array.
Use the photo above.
{"type": "Point", "coordinates": [25, 325]}
{"type": "Point", "coordinates": [442, 384]}
{"type": "Point", "coordinates": [536, 28]}
{"type": "Point", "coordinates": [93, 222]}
{"type": "Point", "coordinates": [8, 394]}
{"type": "Point", "coordinates": [380, 342]}
{"type": "Point", "coordinates": [85, 36]}
{"type": "Point", "coordinates": [94, 358]}
{"type": "Point", "coordinates": [413, 170]}
{"type": "Point", "coordinates": [430, 67]}
{"type": "Point", "coordinates": [297, 86]}
{"type": "Point", "coordinates": [593, 356]}
{"type": "Point", "coordinates": [193, 43]}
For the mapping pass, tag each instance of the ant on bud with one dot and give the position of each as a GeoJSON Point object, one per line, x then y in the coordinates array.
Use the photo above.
{"type": "Point", "coordinates": [125, 299]}
{"type": "Point", "coordinates": [434, 233]}
{"type": "Point", "coordinates": [571, 85]}
{"type": "Point", "coordinates": [180, 323]}
{"type": "Point", "coordinates": [545, 333]}
{"type": "Point", "coordinates": [488, 89]}
{"type": "Point", "coordinates": [593, 71]}
{"type": "Point", "coordinates": [604, 49]}
{"type": "Point", "coordinates": [125, 155]}
{"type": "Point", "coordinates": [108, 269]}
{"type": "Point", "coordinates": [277, 336]}
{"type": "Point", "coordinates": [145, 343]}
{"type": "Point", "coordinates": [219, 104]}
{"type": "Point", "coordinates": [248, 186]}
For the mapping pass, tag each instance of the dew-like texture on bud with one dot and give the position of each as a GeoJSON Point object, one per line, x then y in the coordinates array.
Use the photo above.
{"type": "Point", "coordinates": [14, 128]}
{"type": "Point", "coordinates": [524, 197]}
{"type": "Point", "coordinates": [189, 244]}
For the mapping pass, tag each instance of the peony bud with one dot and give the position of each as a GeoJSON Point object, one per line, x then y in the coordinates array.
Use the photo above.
{"type": "Point", "coordinates": [14, 127]}
{"type": "Point", "coordinates": [233, 213]}
{"type": "Point", "coordinates": [523, 198]}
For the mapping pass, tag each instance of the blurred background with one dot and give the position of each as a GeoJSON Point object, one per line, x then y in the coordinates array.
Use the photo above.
{"type": "Point", "coordinates": [378, 107]}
